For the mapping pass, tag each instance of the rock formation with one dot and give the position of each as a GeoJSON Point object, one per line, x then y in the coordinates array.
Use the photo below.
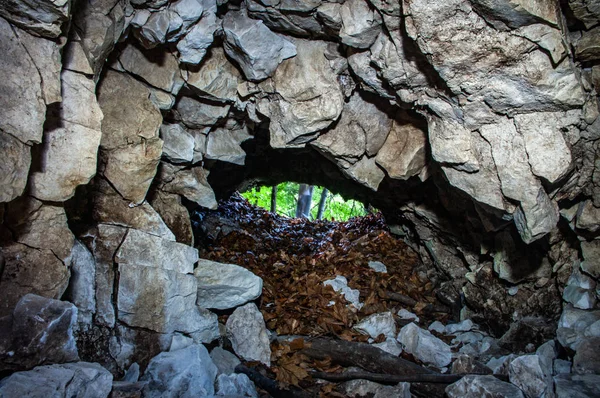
{"type": "Point", "coordinates": [473, 125]}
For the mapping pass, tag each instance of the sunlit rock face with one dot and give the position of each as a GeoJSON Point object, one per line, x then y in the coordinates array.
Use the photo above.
{"type": "Point", "coordinates": [472, 124]}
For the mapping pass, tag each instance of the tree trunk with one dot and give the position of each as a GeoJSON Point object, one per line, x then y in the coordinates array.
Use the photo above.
{"type": "Point", "coordinates": [274, 199]}
{"type": "Point", "coordinates": [322, 203]}
{"type": "Point", "coordinates": [304, 201]}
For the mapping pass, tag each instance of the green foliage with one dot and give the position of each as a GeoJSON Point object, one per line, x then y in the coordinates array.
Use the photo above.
{"type": "Point", "coordinates": [336, 207]}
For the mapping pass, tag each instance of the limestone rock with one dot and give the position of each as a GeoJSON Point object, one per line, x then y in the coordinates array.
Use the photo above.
{"type": "Point", "coordinates": [588, 216]}
{"type": "Point", "coordinates": [403, 313]}
{"type": "Point", "coordinates": [561, 366]}
{"type": "Point", "coordinates": [178, 144]}
{"type": "Point", "coordinates": [499, 366]}
{"type": "Point", "coordinates": [362, 388]}
{"type": "Point", "coordinates": [161, 300]}
{"type": "Point", "coordinates": [587, 358]}
{"type": "Point", "coordinates": [482, 387]}
{"type": "Point", "coordinates": [217, 79]}
{"type": "Point", "coordinates": [403, 154]}
{"type": "Point", "coordinates": [390, 346]}
{"type": "Point", "coordinates": [111, 209]}
{"type": "Point", "coordinates": [365, 172]}
{"type": "Point", "coordinates": [14, 170]}
{"type": "Point", "coordinates": [225, 361]}
{"type": "Point", "coordinates": [40, 226]}
{"type": "Point", "coordinates": [42, 333]}
{"type": "Point", "coordinates": [340, 285]}
{"type": "Point", "coordinates": [196, 115]}
{"type": "Point", "coordinates": [311, 98]}
{"type": "Point", "coordinates": [378, 266]}
{"type": "Point", "coordinates": [520, 12]}
{"type": "Point", "coordinates": [131, 169]}
{"type": "Point", "coordinates": [588, 13]}
{"type": "Point", "coordinates": [437, 327]}
{"type": "Point", "coordinates": [463, 326]}
{"type": "Point", "coordinates": [185, 372]}
{"type": "Point", "coordinates": [224, 286]}
{"type": "Point", "coordinates": [527, 372]}
{"type": "Point", "coordinates": [591, 256]}
{"type": "Point", "coordinates": [256, 49]}
{"type": "Point", "coordinates": [360, 24]}
{"type": "Point", "coordinates": [467, 364]}
{"type": "Point", "coordinates": [235, 384]}
{"type": "Point", "coordinates": [21, 92]}
{"type": "Point", "coordinates": [577, 386]}
{"type": "Point", "coordinates": [44, 18]}
{"type": "Point", "coordinates": [157, 67]}
{"type": "Point", "coordinates": [580, 291]}
{"type": "Point", "coordinates": [248, 334]}
{"type": "Point", "coordinates": [130, 117]}
{"type": "Point", "coordinates": [222, 145]}
{"type": "Point", "coordinates": [573, 324]}
{"type": "Point", "coordinates": [175, 216]}
{"type": "Point", "coordinates": [424, 346]}
{"type": "Point", "coordinates": [79, 379]}
{"type": "Point", "coordinates": [70, 150]}
{"type": "Point", "coordinates": [158, 27]}
{"type": "Point", "coordinates": [537, 214]}
{"type": "Point", "coordinates": [190, 183]}
{"type": "Point", "coordinates": [587, 47]}
{"type": "Point", "coordinates": [547, 151]}
{"type": "Point", "coordinates": [142, 249]}
{"type": "Point", "coordinates": [192, 48]}
{"type": "Point", "coordinates": [81, 290]}
{"type": "Point", "coordinates": [376, 324]}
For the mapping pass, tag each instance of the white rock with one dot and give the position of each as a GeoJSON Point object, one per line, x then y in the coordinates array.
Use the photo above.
{"type": "Point", "coordinates": [238, 385]}
{"type": "Point", "coordinates": [340, 284]}
{"type": "Point", "coordinates": [248, 334]}
{"type": "Point", "coordinates": [409, 316]}
{"type": "Point", "coordinates": [180, 341]}
{"type": "Point", "coordinates": [482, 387]}
{"type": "Point", "coordinates": [527, 372]}
{"type": "Point", "coordinates": [424, 346]}
{"type": "Point", "coordinates": [178, 146]}
{"type": "Point", "coordinates": [463, 326]}
{"type": "Point", "coordinates": [253, 46]}
{"type": "Point", "coordinates": [192, 48]}
{"type": "Point", "coordinates": [224, 360]}
{"type": "Point", "coordinates": [187, 372]}
{"type": "Point", "coordinates": [390, 346]}
{"type": "Point", "coordinates": [437, 326]}
{"type": "Point", "coordinates": [224, 286]}
{"type": "Point", "coordinates": [79, 379]}
{"type": "Point", "coordinates": [377, 324]}
{"type": "Point", "coordinates": [378, 266]}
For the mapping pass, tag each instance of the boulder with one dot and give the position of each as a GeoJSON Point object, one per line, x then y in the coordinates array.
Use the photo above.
{"type": "Point", "coordinates": [403, 155]}
{"type": "Point", "coordinates": [588, 216]}
{"type": "Point", "coordinates": [41, 333]}
{"type": "Point", "coordinates": [360, 24]}
{"type": "Point", "coordinates": [234, 384]}
{"type": "Point", "coordinates": [516, 13]}
{"type": "Point", "coordinates": [217, 79]}
{"type": "Point", "coordinates": [591, 257]}
{"type": "Point", "coordinates": [178, 144]}
{"type": "Point", "coordinates": [224, 360]}
{"type": "Point", "coordinates": [224, 286]}
{"type": "Point", "coordinates": [224, 146]}
{"type": "Point", "coordinates": [43, 18]}
{"type": "Point", "coordinates": [175, 215]}
{"type": "Point", "coordinates": [256, 49]}
{"type": "Point", "coordinates": [15, 168]}
{"type": "Point", "coordinates": [530, 375]}
{"type": "Point", "coordinates": [71, 141]}
{"type": "Point", "coordinates": [189, 183]}
{"type": "Point", "coordinates": [424, 346]}
{"type": "Point", "coordinates": [142, 249]}
{"type": "Point", "coordinates": [310, 98]}
{"type": "Point", "coordinates": [80, 379]}
{"type": "Point", "coordinates": [81, 290]}
{"type": "Point", "coordinates": [482, 387]}
{"type": "Point", "coordinates": [587, 47]}
{"type": "Point", "coordinates": [573, 324]}
{"type": "Point", "coordinates": [580, 291]}
{"type": "Point", "coordinates": [362, 388]}
{"type": "Point", "coordinates": [587, 357]}
{"type": "Point", "coordinates": [366, 172]}
{"type": "Point", "coordinates": [248, 334]}
{"type": "Point", "coordinates": [157, 67]}
{"type": "Point", "coordinates": [192, 48]}
{"type": "Point", "coordinates": [577, 386]}
{"type": "Point", "coordinates": [196, 115]}
{"type": "Point", "coordinates": [187, 372]}
{"type": "Point", "coordinates": [376, 324]}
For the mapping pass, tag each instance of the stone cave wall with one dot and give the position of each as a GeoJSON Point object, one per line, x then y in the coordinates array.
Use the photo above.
{"type": "Point", "coordinates": [472, 124]}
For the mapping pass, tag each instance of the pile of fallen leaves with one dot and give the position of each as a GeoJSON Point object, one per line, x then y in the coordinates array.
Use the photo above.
{"type": "Point", "coordinates": [295, 256]}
